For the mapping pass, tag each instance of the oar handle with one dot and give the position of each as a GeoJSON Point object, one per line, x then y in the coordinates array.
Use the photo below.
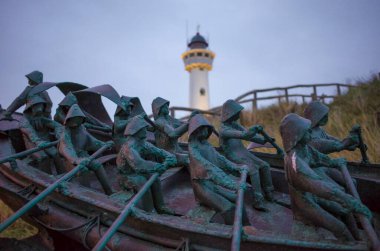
{"type": "Point", "coordinates": [124, 214]}
{"type": "Point", "coordinates": [271, 141]}
{"type": "Point", "coordinates": [237, 228]}
{"type": "Point", "coordinates": [27, 152]}
{"type": "Point", "coordinates": [375, 243]}
{"type": "Point", "coordinates": [49, 190]}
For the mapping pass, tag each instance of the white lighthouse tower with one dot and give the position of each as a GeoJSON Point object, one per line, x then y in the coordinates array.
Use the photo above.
{"type": "Point", "coordinates": [198, 62]}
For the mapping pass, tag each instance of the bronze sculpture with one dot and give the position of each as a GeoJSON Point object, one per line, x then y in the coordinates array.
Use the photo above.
{"type": "Point", "coordinates": [318, 114]}
{"type": "Point", "coordinates": [38, 130]}
{"type": "Point", "coordinates": [34, 78]}
{"type": "Point", "coordinates": [316, 199]}
{"type": "Point", "coordinates": [138, 159]}
{"type": "Point", "coordinates": [231, 136]}
{"type": "Point", "coordinates": [168, 130]}
{"type": "Point", "coordinates": [76, 143]}
{"type": "Point", "coordinates": [208, 172]}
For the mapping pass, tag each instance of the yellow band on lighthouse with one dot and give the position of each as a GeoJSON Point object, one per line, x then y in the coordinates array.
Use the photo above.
{"type": "Point", "coordinates": [192, 66]}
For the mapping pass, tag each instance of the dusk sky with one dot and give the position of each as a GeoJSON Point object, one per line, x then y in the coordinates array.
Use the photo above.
{"type": "Point", "coordinates": [136, 45]}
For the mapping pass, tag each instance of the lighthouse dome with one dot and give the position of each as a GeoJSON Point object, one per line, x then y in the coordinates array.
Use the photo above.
{"type": "Point", "coordinates": [198, 42]}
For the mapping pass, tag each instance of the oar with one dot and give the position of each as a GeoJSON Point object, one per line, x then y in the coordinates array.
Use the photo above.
{"type": "Point", "coordinates": [27, 152]}
{"type": "Point", "coordinates": [50, 189]}
{"type": "Point", "coordinates": [271, 141]}
{"type": "Point", "coordinates": [124, 214]}
{"type": "Point", "coordinates": [363, 220]}
{"type": "Point", "coordinates": [237, 228]}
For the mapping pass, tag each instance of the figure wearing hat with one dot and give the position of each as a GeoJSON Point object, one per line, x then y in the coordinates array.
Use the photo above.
{"type": "Point", "coordinates": [208, 171]}
{"type": "Point", "coordinates": [169, 130]}
{"type": "Point", "coordinates": [315, 198]}
{"type": "Point", "coordinates": [231, 135]}
{"type": "Point", "coordinates": [130, 107]}
{"type": "Point", "coordinates": [318, 114]}
{"type": "Point", "coordinates": [76, 143]}
{"type": "Point", "coordinates": [34, 79]}
{"type": "Point", "coordinates": [38, 130]}
{"type": "Point", "coordinates": [138, 160]}
{"type": "Point", "coordinates": [64, 106]}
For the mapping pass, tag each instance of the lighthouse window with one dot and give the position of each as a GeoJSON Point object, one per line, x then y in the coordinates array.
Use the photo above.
{"type": "Point", "coordinates": [191, 55]}
{"type": "Point", "coordinates": [202, 91]}
{"type": "Point", "coordinates": [207, 55]}
{"type": "Point", "coordinates": [199, 54]}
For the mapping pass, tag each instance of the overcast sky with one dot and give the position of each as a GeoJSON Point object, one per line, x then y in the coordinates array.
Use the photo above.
{"type": "Point", "coordinates": [136, 45]}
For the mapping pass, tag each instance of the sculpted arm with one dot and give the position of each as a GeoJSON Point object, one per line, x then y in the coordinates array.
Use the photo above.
{"type": "Point", "coordinates": [214, 172]}
{"type": "Point", "coordinates": [139, 164]}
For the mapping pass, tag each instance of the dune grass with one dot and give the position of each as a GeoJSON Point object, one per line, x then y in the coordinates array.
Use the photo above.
{"type": "Point", "coordinates": [19, 230]}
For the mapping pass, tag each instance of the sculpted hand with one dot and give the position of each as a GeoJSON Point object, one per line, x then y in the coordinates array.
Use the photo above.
{"type": "Point", "coordinates": [256, 128]}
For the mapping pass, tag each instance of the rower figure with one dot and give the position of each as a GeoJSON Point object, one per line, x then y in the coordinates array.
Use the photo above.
{"type": "Point", "coordinates": [76, 143]}
{"type": "Point", "coordinates": [90, 122]}
{"type": "Point", "coordinates": [231, 135]}
{"type": "Point", "coordinates": [169, 130]}
{"type": "Point", "coordinates": [37, 130]}
{"type": "Point", "coordinates": [211, 184]}
{"type": "Point", "coordinates": [34, 78]}
{"type": "Point", "coordinates": [315, 197]}
{"type": "Point", "coordinates": [318, 114]}
{"type": "Point", "coordinates": [129, 108]}
{"type": "Point", "coordinates": [138, 160]}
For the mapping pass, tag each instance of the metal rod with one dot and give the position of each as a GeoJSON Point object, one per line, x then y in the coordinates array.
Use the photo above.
{"type": "Point", "coordinates": [27, 152]}
{"type": "Point", "coordinates": [124, 214]}
{"type": "Point", "coordinates": [237, 228]}
{"type": "Point", "coordinates": [49, 190]}
{"type": "Point", "coordinates": [366, 224]}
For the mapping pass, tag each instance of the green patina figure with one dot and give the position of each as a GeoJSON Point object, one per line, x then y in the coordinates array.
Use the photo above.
{"type": "Point", "coordinates": [169, 130]}
{"type": "Point", "coordinates": [138, 160]}
{"type": "Point", "coordinates": [34, 78]}
{"type": "Point", "coordinates": [76, 143]}
{"type": "Point", "coordinates": [90, 122]}
{"type": "Point", "coordinates": [129, 108]}
{"type": "Point", "coordinates": [37, 130]}
{"type": "Point", "coordinates": [231, 135]}
{"type": "Point", "coordinates": [212, 186]}
{"type": "Point", "coordinates": [315, 198]}
{"type": "Point", "coordinates": [318, 114]}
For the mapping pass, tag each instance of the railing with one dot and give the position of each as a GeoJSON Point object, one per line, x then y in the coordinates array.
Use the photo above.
{"type": "Point", "coordinates": [252, 97]}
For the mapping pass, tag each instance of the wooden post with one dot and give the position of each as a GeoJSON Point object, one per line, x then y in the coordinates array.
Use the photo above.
{"type": "Point", "coordinates": [172, 112]}
{"type": "Point", "coordinates": [314, 95]}
{"type": "Point", "coordinates": [338, 89]}
{"type": "Point", "coordinates": [303, 99]}
{"type": "Point", "coordinates": [286, 96]}
{"type": "Point", "coordinates": [254, 102]}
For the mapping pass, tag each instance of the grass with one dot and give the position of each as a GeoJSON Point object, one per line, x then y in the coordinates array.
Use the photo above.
{"type": "Point", "coordinates": [19, 230]}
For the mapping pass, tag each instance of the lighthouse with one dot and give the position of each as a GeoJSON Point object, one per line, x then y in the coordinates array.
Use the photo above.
{"type": "Point", "coordinates": [198, 62]}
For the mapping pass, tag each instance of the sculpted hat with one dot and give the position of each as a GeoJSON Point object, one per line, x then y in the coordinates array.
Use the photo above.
{"type": "Point", "coordinates": [35, 76]}
{"type": "Point", "coordinates": [125, 102]}
{"type": "Point", "coordinates": [157, 104]}
{"type": "Point", "coordinates": [33, 100]}
{"type": "Point", "coordinates": [198, 121]}
{"type": "Point", "coordinates": [293, 127]}
{"type": "Point", "coordinates": [68, 100]}
{"type": "Point", "coordinates": [315, 111]}
{"type": "Point", "coordinates": [136, 124]}
{"type": "Point", "coordinates": [74, 111]}
{"type": "Point", "coordinates": [230, 108]}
